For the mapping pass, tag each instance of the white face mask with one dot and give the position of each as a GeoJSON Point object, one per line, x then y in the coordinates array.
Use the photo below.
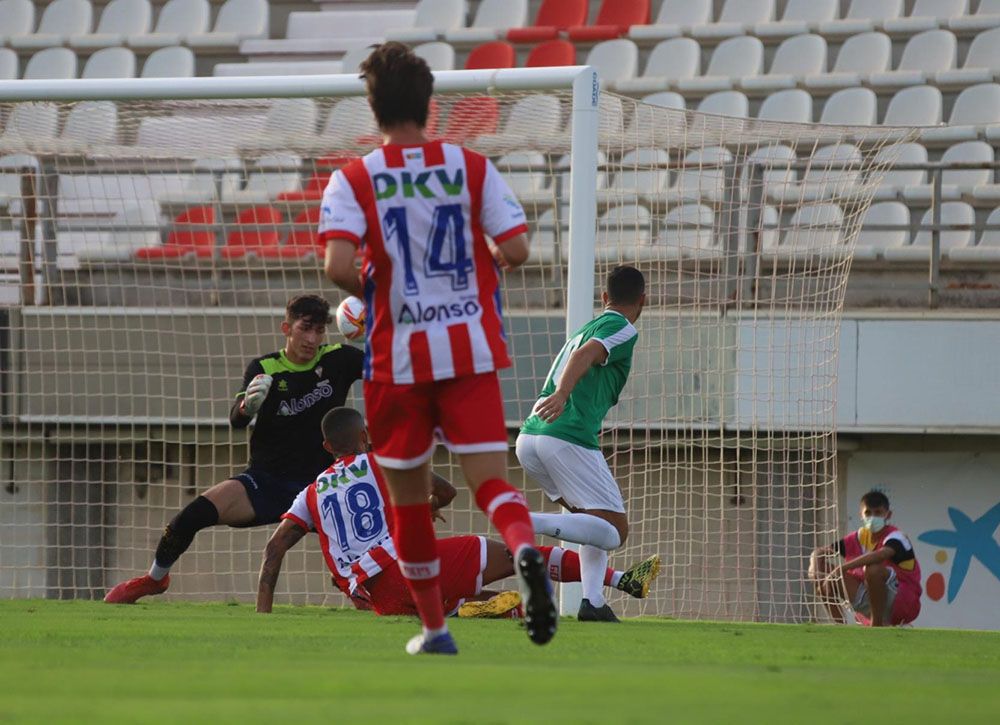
{"type": "Point", "coordinates": [873, 523]}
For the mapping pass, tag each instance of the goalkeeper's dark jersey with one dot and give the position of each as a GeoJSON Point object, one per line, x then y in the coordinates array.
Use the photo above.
{"type": "Point", "coordinates": [287, 441]}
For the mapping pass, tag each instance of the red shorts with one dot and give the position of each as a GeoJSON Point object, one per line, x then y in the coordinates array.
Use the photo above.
{"type": "Point", "coordinates": [465, 413]}
{"type": "Point", "coordinates": [463, 561]}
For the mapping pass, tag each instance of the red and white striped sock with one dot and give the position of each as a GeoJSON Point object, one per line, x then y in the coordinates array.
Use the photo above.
{"type": "Point", "coordinates": [564, 566]}
{"type": "Point", "coordinates": [416, 546]}
{"type": "Point", "coordinates": [506, 508]}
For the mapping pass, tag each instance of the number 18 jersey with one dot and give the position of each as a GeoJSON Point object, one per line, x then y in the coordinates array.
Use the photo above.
{"type": "Point", "coordinates": [421, 215]}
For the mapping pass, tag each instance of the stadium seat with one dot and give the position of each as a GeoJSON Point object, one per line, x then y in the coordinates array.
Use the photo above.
{"type": "Point", "coordinates": [832, 173]}
{"type": "Point", "coordinates": [776, 171]}
{"type": "Point", "coordinates": [688, 231]}
{"type": "Point", "coordinates": [895, 181]}
{"type": "Point", "coordinates": [614, 18]}
{"type": "Point", "coordinates": [610, 119]}
{"type": "Point", "coordinates": [171, 62]}
{"type": "Point", "coordinates": [278, 68]}
{"type": "Point", "coordinates": [350, 120]}
{"type": "Point", "coordinates": [257, 230]}
{"type": "Point", "coordinates": [433, 19]}
{"type": "Point", "coordinates": [61, 19]}
{"type": "Point", "coordinates": [553, 16]}
{"type": "Point", "coordinates": [35, 122]}
{"type": "Point", "coordinates": [926, 54]}
{"type": "Point", "coordinates": [987, 16]}
{"type": "Point", "coordinates": [813, 226]}
{"type": "Point", "coordinates": [792, 106]}
{"type": "Point", "coordinates": [533, 122]}
{"type": "Point", "coordinates": [18, 19]}
{"type": "Point", "coordinates": [926, 15]}
{"type": "Point", "coordinates": [495, 54]}
{"type": "Point", "coordinates": [110, 63]}
{"type": "Point", "coordinates": [524, 173]}
{"type": "Point", "coordinates": [237, 21]}
{"type": "Point", "coordinates": [668, 62]}
{"type": "Point", "coordinates": [551, 53]}
{"type": "Point", "coordinates": [8, 64]}
{"type": "Point", "coordinates": [352, 59]}
{"type": "Point", "coordinates": [974, 107]}
{"type": "Point", "coordinates": [988, 248]}
{"type": "Point", "coordinates": [863, 16]}
{"type": "Point", "coordinates": [136, 226]}
{"type": "Point", "coordinates": [471, 117]}
{"type": "Point", "coordinates": [439, 55]}
{"type": "Point", "coordinates": [796, 59]}
{"type": "Point", "coordinates": [88, 124]}
{"type": "Point", "coordinates": [914, 106]}
{"type": "Point", "coordinates": [312, 190]}
{"type": "Point", "coordinates": [859, 57]}
{"type": "Point", "coordinates": [493, 18]}
{"type": "Point", "coordinates": [544, 234]}
{"type": "Point", "coordinates": [732, 59]}
{"type": "Point", "coordinates": [177, 20]}
{"type": "Point", "coordinates": [651, 128]}
{"type": "Point", "coordinates": [614, 60]}
{"type": "Point", "coordinates": [872, 242]}
{"type": "Point", "coordinates": [799, 17]}
{"type": "Point", "coordinates": [703, 177]}
{"type": "Point", "coordinates": [958, 184]}
{"type": "Point", "coordinates": [674, 18]}
{"type": "Point", "coordinates": [644, 174]}
{"type": "Point", "coordinates": [183, 241]}
{"type": "Point", "coordinates": [851, 107]}
{"type": "Point", "coordinates": [290, 124]}
{"type": "Point", "coordinates": [277, 174]}
{"type": "Point", "coordinates": [119, 19]}
{"type": "Point", "coordinates": [51, 63]}
{"type": "Point", "coordinates": [956, 214]}
{"type": "Point", "coordinates": [303, 240]}
{"type": "Point", "coordinates": [624, 230]}
{"type": "Point", "coordinates": [665, 99]}
{"type": "Point", "coordinates": [737, 18]}
{"type": "Point", "coordinates": [981, 63]}
{"type": "Point", "coordinates": [726, 103]}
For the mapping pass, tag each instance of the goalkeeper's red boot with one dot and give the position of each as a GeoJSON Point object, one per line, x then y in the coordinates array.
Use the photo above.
{"type": "Point", "coordinates": [134, 589]}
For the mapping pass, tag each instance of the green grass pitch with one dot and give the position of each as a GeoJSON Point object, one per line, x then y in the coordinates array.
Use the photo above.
{"type": "Point", "coordinates": [160, 662]}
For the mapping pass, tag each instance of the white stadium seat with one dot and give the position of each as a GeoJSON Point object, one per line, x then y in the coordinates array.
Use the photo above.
{"type": "Point", "coordinates": [795, 59]}
{"type": "Point", "coordinates": [953, 213]}
{"type": "Point", "coordinates": [914, 106]}
{"type": "Point", "coordinates": [264, 186]}
{"type": "Point", "coordinates": [975, 107]}
{"type": "Point", "coordinates": [352, 59]}
{"type": "Point", "coordinates": [120, 19]}
{"type": "Point", "coordinates": [863, 16]}
{"type": "Point", "coordinates": [8, 64]}
{"type": "Point", "coordinates": [525, 173]}
{"type": "Point", "coordinates": [349, 120]}
{"type": "Point", "coordinates": [60, 20]}
{"type": "Point", "coordinates": [851, 107]}
{"type": "Point", "coordinates": [290, 124]}
{"type": "Point", "coordinates": [799, 17]}
{"type": "Point", "coordinates": [644, 175]}
{"type": "Point", "coordinates": [90, 123]}
{"type": "Point", "coordinates": [981, 62]}
{"type": "Point", "coordinates": [895, 182]}
{"type": "Point", "coordinates": [674, 18]}
{"type": "Point", "coordinates": [135, 226]}
{"type": "Point", "coordinates": [237, 21]}
{"type": "Point", "coordinates": [533, 121]}
{"type": "Point", "coordinates": [493, 18]}
{"type": "Point", "coordinates": [988, 248]}
{"type": "Point", "coordinates": [831, 173]}
{"type": "Point", "coordinates": [859, 57]}
{"type": "Point", "coordinates": [987, 16]}
{"type": "Point", "coordinates": [726, 103]}
{"type": "Point", "coordinates": [32, 122]}
{"type": "Point", "coordinates": [172, 62]}
{"type": "Point", "coordinates": [794, 106]}
{"type": "Point", "coordinates": [732, 59]}
{"type": "Point", "coordinates": [926, 15]}
{"type": "Point", "coordinates": [670, 61]}
{"type": "Point", "coordinates": [439, 56]}
{"type": "Point", "coordinates": [543, 236]}
{"type": "Point", "coordinates": [18, 19]}
{"type": "Point", "coordinates": [623, 229]}
{"type": "Point", "coordinates": [51, 63]}
{"type": "Point", "coordinates": [872, 242]}
{"type": "Point", "coordinates": [688, 231]}
{"type": "Point", "coordinates": [927, 53]}
{"type": "Point", "coordinates": [110, 63]}
{"type": "Point", "coordinates": [812, 227]}
{"type": "Point", "coordinates": [642, 127]}
{"type": "Point", "coordinates": [957, 184]}
{"type": "Point", "coordinates": [177, 20]}
{"type": "Point", "coordinates": [737, 17]}
{"type": "Point", "coordinates": [614, 60]}
{"type": "Point", "coordinates": [433, 19]}
{"type": "Point", "coordinates": [775, 175]}
{"type": "Point", "coordinates": [703, 177]}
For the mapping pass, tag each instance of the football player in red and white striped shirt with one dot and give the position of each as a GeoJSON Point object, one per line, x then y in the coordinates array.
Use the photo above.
{"type": "Point", "coordinates": [348, 508]}
{"type": "Point", "coordinates": [421, 211]}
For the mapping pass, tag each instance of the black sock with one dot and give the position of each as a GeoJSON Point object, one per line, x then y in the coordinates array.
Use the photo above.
{"type": "Point", "coordinates": [197, 515]}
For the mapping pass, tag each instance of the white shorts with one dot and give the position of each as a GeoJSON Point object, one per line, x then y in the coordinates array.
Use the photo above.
{"type": "Point", "coordinates": [863, 604]}
{"type": "Point", "coordinates": [580, 476]}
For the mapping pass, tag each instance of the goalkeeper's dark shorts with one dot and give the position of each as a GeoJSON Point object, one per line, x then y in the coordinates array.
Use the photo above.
{"type": "Point", "coordinates": [269, 495]}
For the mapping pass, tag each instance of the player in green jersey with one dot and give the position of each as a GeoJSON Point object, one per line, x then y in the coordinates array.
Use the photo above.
{"type": "Point", "coordinates": [558, 444]}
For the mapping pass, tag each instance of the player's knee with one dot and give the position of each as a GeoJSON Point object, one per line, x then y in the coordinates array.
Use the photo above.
{"type": "Point", "coordinates": [622, 527]}
{"type": "Point", "coordinates": [876, 573]}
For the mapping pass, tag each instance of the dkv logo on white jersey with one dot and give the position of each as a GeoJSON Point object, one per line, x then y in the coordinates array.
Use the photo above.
{"type": "Point", "coordinates": [295, 406]}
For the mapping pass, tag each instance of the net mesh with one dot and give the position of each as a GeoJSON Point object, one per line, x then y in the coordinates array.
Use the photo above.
{"type": "Point", "coordinates": [148, 250]}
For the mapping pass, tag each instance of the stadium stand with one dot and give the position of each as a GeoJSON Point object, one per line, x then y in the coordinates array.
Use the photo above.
{"type": "Point", "coordinates": [553, 16]}
{"type": "Point", "coordinates": [551, 53]}
{"type": "Point", "coordinates": [732, 58]}
{"type": "Point", "coordinates": [51, 63]}
{"type": "Point", "coordinates": [169, 62]}
{"type": "Point", "coordinates": [8, 64]}
{"type": "Point", "coordinates": [614, 19]}
{"type": "Point", "coordinates": [119, 20]}
{"type": "Point", "coordinates": [61, 20]}
{"type": "Point", "coordinates": [177, 20]}
{"type": "Point", "coordinates": [797, 58]}
{"type": "Point", "coordinates": [110, 63]}
{"type": "Point", "coordinates": [493, 19]}
{"type": "Point", "coordinates": [434, 18]}
{"type": "Point", "coordinates": [495, 54]}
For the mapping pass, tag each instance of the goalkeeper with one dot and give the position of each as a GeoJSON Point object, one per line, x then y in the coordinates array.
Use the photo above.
{"type": "Point", "coordinates": [288, 392]}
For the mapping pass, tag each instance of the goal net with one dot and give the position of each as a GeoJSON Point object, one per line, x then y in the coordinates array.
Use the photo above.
{"type": "Point", "coordinates": [148, 247]}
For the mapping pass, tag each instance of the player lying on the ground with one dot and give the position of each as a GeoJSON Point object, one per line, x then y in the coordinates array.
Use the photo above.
{"type": "Point", "coordinates": [289, 392]}
{"type": "Point", "coordinates": [880, 571]}
{"type": "Point", "coordinates": [558, 444]}
{"type": "Point", "coordinates": [348, 507]}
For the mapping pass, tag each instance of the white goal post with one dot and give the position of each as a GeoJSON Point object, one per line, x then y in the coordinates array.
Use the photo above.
{"type": "Point", "coordinates": [152, 230]}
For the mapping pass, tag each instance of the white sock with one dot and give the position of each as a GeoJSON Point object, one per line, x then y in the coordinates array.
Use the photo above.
{"type": "Point", "coordinates": [578, 528]}
{"type": "Point", "coordinates": [616, 577]}
{"type": "Point", "coordinates": [593, 565]}
{"type": "Point", "coordinates": [432, 633]}
{"type": "Point", "coordinates": [157, 572]}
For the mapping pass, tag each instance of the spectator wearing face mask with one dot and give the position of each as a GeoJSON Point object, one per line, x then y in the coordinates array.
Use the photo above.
{"type": "Point", "coordinates": [879, 571]}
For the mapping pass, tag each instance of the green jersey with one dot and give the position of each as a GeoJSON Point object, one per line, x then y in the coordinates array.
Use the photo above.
{"type": "Point", "coordinates": [597, 390]}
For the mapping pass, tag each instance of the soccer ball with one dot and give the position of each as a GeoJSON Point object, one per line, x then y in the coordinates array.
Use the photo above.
{"type": "Point", "coordinates": [351, 318]}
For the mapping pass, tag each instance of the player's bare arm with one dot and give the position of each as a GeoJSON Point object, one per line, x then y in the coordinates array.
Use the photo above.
{"type": "Point", "coordinates": [875, 557]}
{"type": "Point", "coordinates": [287, 535]}
{"type": "Point", "coordinates": [340, 268]}
{"type": "Point", "coordinates": [512, 253]}
{"type": "Point", "coordinates": [818, 568]}
{"type": "Point", "coordinates": [583, 359]}
{"type": "Point", "coordinates": [442, 492]}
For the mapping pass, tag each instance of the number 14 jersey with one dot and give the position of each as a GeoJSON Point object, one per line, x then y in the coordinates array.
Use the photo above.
{"type": "Point", "coordinates": [421, 215]}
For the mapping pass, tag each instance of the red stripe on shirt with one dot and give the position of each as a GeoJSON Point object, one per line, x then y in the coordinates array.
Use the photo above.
{"type": "Point", "coordinates": [461, 350]}
{"type": "Point", "coordinates": [433, 154]}
{"type": "Point", "coordinates": [295, 520]}
{"type": "Point", "coordinates": [511, 233]}
{"type": "Point", "coordinates": [384, 490]}
{"type": "Point", "coordinates": [486, 270]}
{"type": "Point", "coordinates": [420, 357]}
{"type": "Point", "coordinates": [381, 557]}
{"type": "Point", "coordinates": [393, 156]}
{"type": "Point", "coordinates": [377, 269]}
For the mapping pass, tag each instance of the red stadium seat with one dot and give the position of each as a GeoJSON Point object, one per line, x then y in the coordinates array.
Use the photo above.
{"type": "Point", "coordinates": [182, 242]}
{"type": "Point", "coordinates": [257, 230]}
{"type": "Point", "coordinates": [312, 191]}
{"type": "Point", "coordinates": [553, 16]}
{"type": "Point", "coordinates": [303, 239]}
{"type": "Point", "coordinates": [498, 54]}
{"type": "Point", "coordinates": [552, 53]}
{"type": "Point", "coordinates": [471, 117]}
{"type": "Point", "coordinates": [613, 20]}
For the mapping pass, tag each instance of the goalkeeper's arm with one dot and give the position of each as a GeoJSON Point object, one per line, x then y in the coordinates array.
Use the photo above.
{"type": "Point", "coordinates": [249, 401]}
{"type": "Point", "coordinates": [287, 535]}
